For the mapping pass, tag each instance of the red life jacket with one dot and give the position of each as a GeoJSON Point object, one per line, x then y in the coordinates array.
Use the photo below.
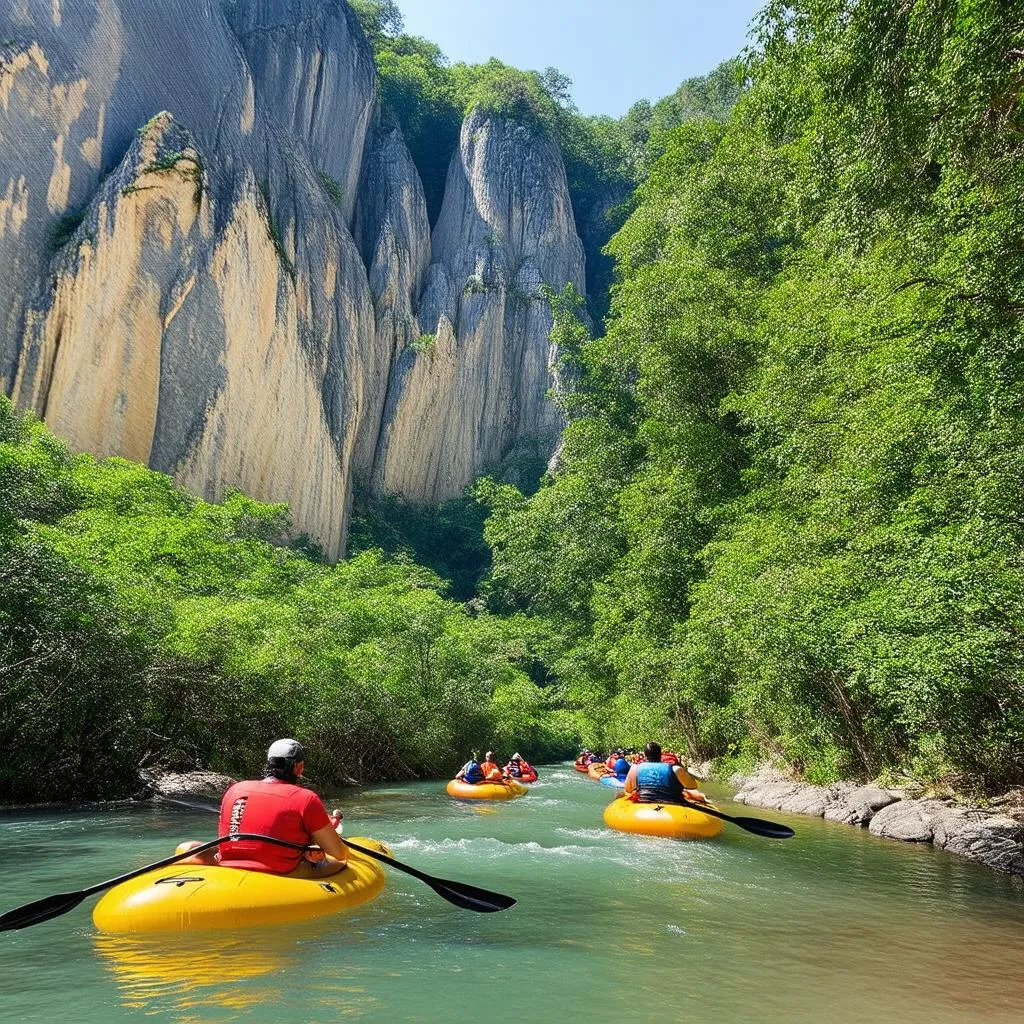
{"type": "Point", "coordinates": [271, 808]}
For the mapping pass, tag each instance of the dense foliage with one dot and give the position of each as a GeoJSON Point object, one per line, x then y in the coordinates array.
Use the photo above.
{"type": "Point", "coordinates": [139, 624]}
{"type": "Point", "coordinates": [787, 520]}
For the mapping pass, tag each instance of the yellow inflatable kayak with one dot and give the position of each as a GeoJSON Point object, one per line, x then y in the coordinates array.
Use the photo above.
{"type": "Point", "coordinates": [670, 821]}
{"type": "Point", "coordinates": [509, 789]}
{"type": "Point", "coordinates": [597, 769]}
{"type": "Point", "coordinates": [191, 897]}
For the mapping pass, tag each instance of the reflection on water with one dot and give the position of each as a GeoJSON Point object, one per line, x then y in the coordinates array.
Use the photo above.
{"type": "Point", "coordinates": [187, 973]}
{"type": "Point", "coordinates": [220, 976]}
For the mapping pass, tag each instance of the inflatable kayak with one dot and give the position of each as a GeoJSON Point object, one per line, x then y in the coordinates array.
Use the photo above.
{"type": "Point", "coordinates": [671, 821]}
{"type": "Point", "coordinates": [580, 766]}
{"type": "Point", "coordinates": [611, 780]}
{"type": "Point", "coordinates": [527, 777]}
{"type": "Point", "coordinates": [509, 789]}
{"type": "Point", "coordinates": [193, 897]}
{"type": "Point", "coordinates": [597, 769]}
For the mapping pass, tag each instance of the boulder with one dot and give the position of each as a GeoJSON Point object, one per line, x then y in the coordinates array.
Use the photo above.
{"type": "Point", "coordinates": [910, 821]}
{"type": "Point", "coordinates": [859, 805]}
{"type": "Point", "coordinates": [771, 794]}
{"type": "Point", "coordinates": [185, 786]}
{"type": "Point", "coordinates": [994, 840]}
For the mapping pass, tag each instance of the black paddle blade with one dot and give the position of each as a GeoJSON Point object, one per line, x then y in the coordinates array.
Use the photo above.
{"type": "Point", "coordinates": [470, 897]}
{"type": "Point", "coordinates": [459, 894]}
{"type": "Point", "coordinates": [761, 827]}
{"type": "Point", "coordinates": [40, 910]}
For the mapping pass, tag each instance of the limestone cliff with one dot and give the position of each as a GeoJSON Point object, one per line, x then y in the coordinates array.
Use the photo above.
{"type": "Point", "coordinates": [216, 258]}
{"type": "Point", "coordinates": [479, 380]}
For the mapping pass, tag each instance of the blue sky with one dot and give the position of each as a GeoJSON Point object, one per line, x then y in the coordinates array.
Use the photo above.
{"type": "Point", "coordinates": [615, 52]}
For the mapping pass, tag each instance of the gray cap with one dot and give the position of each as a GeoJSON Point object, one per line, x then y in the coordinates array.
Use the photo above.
{"type": "Point", "coordinates": [286, 750]}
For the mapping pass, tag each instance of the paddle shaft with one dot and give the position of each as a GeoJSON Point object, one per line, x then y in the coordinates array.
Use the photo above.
{"type": "Point", "coordinates": [758, 826]}
{"type": "Point", "coordinates": [461, 894]}
{"type": "Point", "coordinates": [54, 906]}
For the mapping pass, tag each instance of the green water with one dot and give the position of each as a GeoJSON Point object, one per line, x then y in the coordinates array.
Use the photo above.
{"type": "Point", "coordinates": [832, 925]}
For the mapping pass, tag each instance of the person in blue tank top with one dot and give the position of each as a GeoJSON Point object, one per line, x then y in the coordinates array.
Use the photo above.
{"type": "Point", "coordinates": [658, 783]}
{"type": "Point", "coordinates": [471, 771]}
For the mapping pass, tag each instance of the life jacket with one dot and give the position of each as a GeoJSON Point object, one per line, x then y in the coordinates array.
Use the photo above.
{"type": "Point", "coordinates": [473, 773]}
{"type": "Point", "coordinates": [610, 763]}
{"type": "Point", "coordinates": [491, 771]}
{"type": "Point", "coordinates": [515, 769]}
{"type": "Point", "coordinates": [621, 769]}
{"type": "Point", "coordinates": [657, 784]}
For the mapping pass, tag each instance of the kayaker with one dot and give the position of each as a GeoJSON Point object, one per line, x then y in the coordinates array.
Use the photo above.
{"type": "Point", "coordinates": [517, 768]}
{"type": "Point", "coordinates": [654, 782]}
{"type": "Point", "coordinates": [612, 758]}
{"type": "Point", "coordinates": [471, 771]}
{"type": "Point", "coordinates": [621, 767]}
{"type": "Point", "coordinates": [277, 805]}
{"type": "Point", "coordinates": [492, 773]}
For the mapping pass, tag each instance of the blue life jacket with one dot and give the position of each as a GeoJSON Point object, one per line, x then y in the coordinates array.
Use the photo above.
{"type": "Point", "coordinates": [657, 784]}
{"type": "Point", "coordinates": [472, 772]}
{"type": "Point", "coordinates": [621, 769]}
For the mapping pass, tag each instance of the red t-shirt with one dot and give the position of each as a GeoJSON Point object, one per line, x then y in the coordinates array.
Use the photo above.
{"type": "Point", "coordinates": [272, 808]}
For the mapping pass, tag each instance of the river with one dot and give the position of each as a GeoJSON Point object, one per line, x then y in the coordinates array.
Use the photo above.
{"type": "Point", "coordinates": [832, 924]}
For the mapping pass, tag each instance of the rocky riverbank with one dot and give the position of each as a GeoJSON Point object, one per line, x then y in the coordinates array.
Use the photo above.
{"type": "Point", "coordinates": [993, 837]}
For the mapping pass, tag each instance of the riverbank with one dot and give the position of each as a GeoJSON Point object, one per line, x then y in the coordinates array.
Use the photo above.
{"type": "Point", "coordinates": [993, 837]}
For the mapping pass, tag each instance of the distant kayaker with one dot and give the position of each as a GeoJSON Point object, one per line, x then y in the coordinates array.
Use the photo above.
{"type": "Point", "coordinates": [621, 767]}
{"type": "Point", "coordinates": [471, 771]}
{"type": "Point", "coordinates": [278, 806]}
{"type": "Point", "coordinates": [517, 768]}
{"type": "Point", "coordinates": [657, 783]}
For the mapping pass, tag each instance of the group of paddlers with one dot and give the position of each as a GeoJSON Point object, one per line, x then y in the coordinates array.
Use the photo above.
{"type": "Point", "coordinates": [649, 777]}
{"type": "Point", "coordinates": [475, 771]}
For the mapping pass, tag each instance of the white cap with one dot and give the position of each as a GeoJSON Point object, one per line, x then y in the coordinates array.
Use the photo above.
{"type": "Point", "coordinates": [286, 750]}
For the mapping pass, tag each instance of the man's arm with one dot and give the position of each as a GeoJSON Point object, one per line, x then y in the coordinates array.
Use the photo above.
{"type": "Point", "coordinates": [630, 786]}
{"type": "Point", "coordinates": [688, 781]}
{"type": "Point", "coordinates": [330, 842]}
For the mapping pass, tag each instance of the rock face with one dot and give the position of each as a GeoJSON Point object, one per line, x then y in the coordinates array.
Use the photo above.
{"type": "Point", "coordinates": [217, 258]}
{"type": "Point", "coordinates": [479, 378]}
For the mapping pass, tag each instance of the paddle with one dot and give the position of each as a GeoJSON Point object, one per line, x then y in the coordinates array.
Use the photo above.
{"type": "Point", "coordinates": [53, 906]}
{"type": "Point", "coordinates": [759, 826]}
{"type": "Point", "coordinates": [460, 894]}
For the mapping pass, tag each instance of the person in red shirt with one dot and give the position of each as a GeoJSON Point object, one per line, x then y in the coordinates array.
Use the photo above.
{"type": "Point", "coordinates": [278, 806]}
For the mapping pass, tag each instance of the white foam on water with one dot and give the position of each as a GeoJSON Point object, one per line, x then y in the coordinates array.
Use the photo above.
{"type": "Point", "coordinates": [497, 849]}
{"type": "Point", "coordinates": [600, 834]}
